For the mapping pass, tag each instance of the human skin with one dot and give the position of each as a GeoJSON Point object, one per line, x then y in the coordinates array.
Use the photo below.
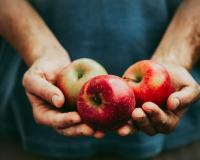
{"type": "Point", "coordinates": [46, 58]}
{"type": "Point", "coordinates": [178, 51]}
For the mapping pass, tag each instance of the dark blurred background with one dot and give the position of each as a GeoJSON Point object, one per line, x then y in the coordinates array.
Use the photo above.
{"type": "Point", "coordinates": [12, 150]}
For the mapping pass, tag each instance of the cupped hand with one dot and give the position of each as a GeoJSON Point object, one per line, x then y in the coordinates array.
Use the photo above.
{"type": "Point", "coordinates": [47, 99]}
{"type": "Point", "coordinates": [151, 119]}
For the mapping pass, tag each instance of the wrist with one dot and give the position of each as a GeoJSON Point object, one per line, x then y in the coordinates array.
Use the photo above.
{"type": "Point", "coordinates": [171, 59]}
{"type": "Point", "coordinates": [183, 54]}
{"type": "Point", "coordinates": [180, 44]}
{"type": "Point", "coordinates": [32, 54]}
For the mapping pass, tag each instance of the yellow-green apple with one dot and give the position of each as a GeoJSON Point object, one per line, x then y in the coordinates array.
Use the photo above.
{"type": "Point", "coordinates": [73, 77]}
{"type": "Point", "coordinates": [150, 81]}
{"type": "Point", "coordinates": [106, 102]}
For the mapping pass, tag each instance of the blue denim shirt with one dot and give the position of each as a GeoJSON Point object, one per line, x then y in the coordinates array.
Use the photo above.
{"type": "Point", "coordinates": [116, 33]}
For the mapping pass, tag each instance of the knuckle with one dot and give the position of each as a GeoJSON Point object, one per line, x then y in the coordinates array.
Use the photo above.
{"type": "Point", "coordinates": [170, 128]}
{"type": "Point", "coordinates": [69, 133]}
{"type": "Point", "coordinates": [46, 92]}
{"type": "Point", "coordinates": [56, 123]}
{"type": "Point", "coordinates": [163, 122]}
{"type": "Point", "coordinates": [82, 130]}
{"type": "Point", "coordinates": [197, 90]}
{"type": "Point", "coordinates": [38, 71]}
{"type": "Point", "coordinates": [53, 123]}
{"type": "Point", "coordinates": [81, 133]}
{"type": "Point", "coordinates": [168, 124]}
{"type": "Point", "coordinates": [37, 120]}
{"type": "Point", "coordinates": [69, 121]}
{"type": "Point", "coordinates": [25, 78]}
{"type": "Point", "coordinates": [29, 80]}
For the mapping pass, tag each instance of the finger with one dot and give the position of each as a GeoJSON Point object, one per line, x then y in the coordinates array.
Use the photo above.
{"type": "Point", "coordinates": [162, 122]}
{"type": "Point", "coordinates": [142, 121]}
{"type": "Point", "coordinates": [183, 98]}
{"type": "Point", "coordinates": [99, 134]}
{"type": "Point", "coordinates": [64, 120]}
{"type": "Point", "coordinates": [78, 130]}
{"type": "Point", "coordinates": [45, 115]}
{"type": "Point", "coordinates": [126, 130]}
{"type": "Point", "coordinates": [42, 88]}
{"type": "Point", "coordinates": [54, 118]}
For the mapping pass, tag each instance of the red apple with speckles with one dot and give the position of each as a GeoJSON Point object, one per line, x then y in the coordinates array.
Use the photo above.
{"type": "Point", "coordinates": [150, 82]}
{"type": "Point", "coordinates": [73, 77]}
{"type": "Point", "coordinates": [106, 102]}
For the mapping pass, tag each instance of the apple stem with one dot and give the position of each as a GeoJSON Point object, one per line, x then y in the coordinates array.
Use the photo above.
{"type": "Point", "coordinates": [96, 100]}
{"type": "Point", "coordinates": [137, 79]}
{"type": "Point", "coordinates": [80, 74]}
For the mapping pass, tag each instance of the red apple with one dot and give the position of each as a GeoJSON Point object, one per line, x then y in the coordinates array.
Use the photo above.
{"type": "Point", "coordinates": [74, 76]}
{"type": "Point", "coordinates": [106, 102]}
{"type": "Point", "coordinates": [150, 81]}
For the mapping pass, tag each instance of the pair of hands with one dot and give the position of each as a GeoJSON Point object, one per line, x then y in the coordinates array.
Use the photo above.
{"type": "Point", "coordinates": [46, 99]}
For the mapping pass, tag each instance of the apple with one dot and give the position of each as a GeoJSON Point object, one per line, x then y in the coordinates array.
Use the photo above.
{"type": "Point", "coordinates": [73, 77]}
{"type": "Point", "coordinates": [150, 81]}
{"type": "Point", "coordinates": [106, 102]}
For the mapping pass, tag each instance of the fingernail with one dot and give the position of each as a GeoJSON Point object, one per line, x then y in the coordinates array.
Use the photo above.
{"type": "Point", "coordinates": [126, 131]}
{"type": "Point", "coordinates": [175, 103]}
{"type": "Point", "coordinates": [98, 135]}
{"type": "Point", "coordinates": [76, 118]}
{"type": "Point", "coordinates": [138, 113]}
{"type": "Point", "coordinates": [148, 109]}
{"type": "Point", "coordinates": [55, 100]}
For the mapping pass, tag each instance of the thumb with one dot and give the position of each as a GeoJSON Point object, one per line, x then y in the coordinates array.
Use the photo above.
{"type": "Point", "coordinates": [43, 89]}
{"type": "Point", "coordinates": [184, 97]}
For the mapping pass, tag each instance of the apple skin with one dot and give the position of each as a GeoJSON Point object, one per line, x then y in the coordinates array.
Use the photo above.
{"type": "Point", "coordinates": [150, 82]}
{"type": "Point", "coordinates": [106, 102]}
{"type": "Point", "coordinates": [73, 77]}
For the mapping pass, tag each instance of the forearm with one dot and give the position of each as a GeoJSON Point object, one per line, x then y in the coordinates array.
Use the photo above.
{"type": "Point", "coordinates": [24, 29]}
{"type": "Point", "coordinates": [181, 42]}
